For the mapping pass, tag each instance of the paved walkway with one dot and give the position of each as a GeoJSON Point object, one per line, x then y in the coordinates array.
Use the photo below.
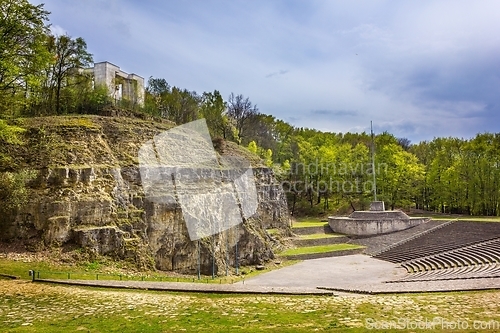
{"type": "Point", "coordinates": [326, 276]}
{"type": "Point", "coordinates": [334, 271]}
{"type": "Point", "coordinates": [361, 274]}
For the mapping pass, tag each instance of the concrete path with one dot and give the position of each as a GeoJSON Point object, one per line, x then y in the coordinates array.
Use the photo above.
{"type": "Point", "coordinates": [360, 274]}
{"type": "Point", "coordinates": [334, 271]}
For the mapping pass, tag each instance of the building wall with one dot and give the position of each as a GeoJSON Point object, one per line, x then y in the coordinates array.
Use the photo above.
{"type": "Point", "coordinates": [120, 85]}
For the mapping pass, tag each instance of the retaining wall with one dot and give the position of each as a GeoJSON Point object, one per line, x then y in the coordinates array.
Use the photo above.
{"type": "Point", "coordinates": [369, 227]}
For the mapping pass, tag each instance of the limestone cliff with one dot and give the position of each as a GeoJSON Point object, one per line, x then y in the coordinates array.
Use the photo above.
{"type": "Point", "coordinates": [85, 191]}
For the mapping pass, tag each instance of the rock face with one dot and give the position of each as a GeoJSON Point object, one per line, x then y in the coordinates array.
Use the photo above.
{"type": "Point", "coordinates": [87, 193]}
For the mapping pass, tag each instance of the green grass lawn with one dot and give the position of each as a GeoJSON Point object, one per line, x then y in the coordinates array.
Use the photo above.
{"type": "Point", "coordinates": [320, 249]}
{"type": "Point", "coordinates": [308, 224]}
{"type": "Point", "coordinates": [95, 271]}
{"type": "Point", "coordinates": [479, 219]}
{"type": "Point", "coordinates": [309, 219]}
{"type": "Point", "coordinates": [448, 217]}
{"type": "Point", "coordinates": [21, 268]}
{"type": "Point", "coordinates": [441, 218]}
{"type": "Point", "coordinates": [273, 231]}
{"type": "Point", "coordinates": [319, 236]}
{"type": "Point", "coordinates": [44, 308]}
{"type": "Point", "coordinates": [467, 218]}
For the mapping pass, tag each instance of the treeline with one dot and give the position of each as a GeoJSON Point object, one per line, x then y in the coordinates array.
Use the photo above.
{"type": "Point", "coordinates": [462, 176]}
{"type": "Point", "coordinates": [41, 74]}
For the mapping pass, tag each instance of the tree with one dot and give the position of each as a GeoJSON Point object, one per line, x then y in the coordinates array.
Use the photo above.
{"type": "Point", "coordinates": [399, 175]}
{"type": "Point", "coordinates": [69, 56]}
{"type": "Point", "coordinates": [178, 105]}
{"type": "Point", "coordinates": [405, 143]}
{"type": "Point", "coordinates": [23, 53]}
{"type": "Point", "coordinates": [156, 92]}
{"type": "Point", "coordinates": [284, 140]}
{"type": "Point", "coordinates": [252, 146]}
{"type": "Point", "coordinates": [440, 171]}
{"type": "Point", "coordinates": [182, 106]}
{"type": "Point", "coordinates": [268, 158]}
{"type": "Point", "coordinates": [240, 110]}
{"type": "Point", "coordinates": [213, 110]}
{"type": "Point", "coordinates": [423, 151]}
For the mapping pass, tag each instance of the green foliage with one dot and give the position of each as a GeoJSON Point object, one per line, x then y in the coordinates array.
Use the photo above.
{"type": "Point", "coordinates": [10, 134]}
{"type": "Point", "coordinates": [93, 266]}
{"type": "Point", "coordinates": [65, 85]}
{"type": "Point", "coordinates": [23, 54]}
{"type": "Point", "coordinates": [96, 100]}
{"type": "Point", "coordinates": [13, 191]}
{"type": "Point", "coordinates": [213, 108]}
{"type": "Point", "coordinates": [286, 166]}
{"type": "Point", "coordinates": [41, 74]}
{"type": "Point", "coordinates": [462, 176]}
{"type": "Point", "coordinates": [268, 158]}
{"type": "Point", "coordinates": [252, 146]}
{"type": "Point", "coordinates": [178, 105]}
{"type": "Point", "coordinates": [401, 177]}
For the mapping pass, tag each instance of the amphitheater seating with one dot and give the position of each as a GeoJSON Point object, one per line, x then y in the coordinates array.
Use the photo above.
{"type": "Point", "coordinates": [452, 236]}
{"type": "Point", "coordinates": [459, 250]}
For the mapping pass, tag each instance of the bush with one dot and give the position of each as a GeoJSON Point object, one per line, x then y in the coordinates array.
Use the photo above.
{"type": "Point", "coordinates": [13, 191]}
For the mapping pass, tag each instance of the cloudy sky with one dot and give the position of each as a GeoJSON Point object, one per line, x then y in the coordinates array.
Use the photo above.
{"type": "Point", "coordinates": [418, 69]}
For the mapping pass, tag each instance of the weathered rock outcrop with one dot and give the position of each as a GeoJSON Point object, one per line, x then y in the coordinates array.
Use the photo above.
{"type": "Point", "coordinates": [87, 192]}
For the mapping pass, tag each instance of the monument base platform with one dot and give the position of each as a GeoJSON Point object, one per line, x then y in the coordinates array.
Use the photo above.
{"type": "Point", "coordinates": [369, 223]}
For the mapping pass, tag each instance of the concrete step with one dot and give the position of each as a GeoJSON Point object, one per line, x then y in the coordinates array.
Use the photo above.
{"type": "Point", "coordinates": [309, 256]}
{"type": "Point", "coordinates": [324, 229]}
{"type": "Point", "coordinates": [299, 242]}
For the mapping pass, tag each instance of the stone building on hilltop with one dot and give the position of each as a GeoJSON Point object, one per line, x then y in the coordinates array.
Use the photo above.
{"type": "Point", "coordinates": [121, 86]}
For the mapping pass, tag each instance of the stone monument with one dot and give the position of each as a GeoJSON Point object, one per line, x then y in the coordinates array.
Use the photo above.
{"type": "Point", "coordinates": [376, 220]}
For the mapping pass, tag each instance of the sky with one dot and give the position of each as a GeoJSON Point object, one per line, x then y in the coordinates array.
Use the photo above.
{"type": "Point", "coordinates": [417, 69]}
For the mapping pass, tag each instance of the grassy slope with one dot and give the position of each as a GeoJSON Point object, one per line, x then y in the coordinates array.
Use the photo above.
{"type": "Point", "coordinates": [114, 270]}
{"type": "Point", "coordinates": [308, 224]}
{"type": "Point", "coordinates": [83, 140]}
{"type": "Point", "coordinates": [468, 218]}
{"type": "Point", "coordinates": [319, 236]}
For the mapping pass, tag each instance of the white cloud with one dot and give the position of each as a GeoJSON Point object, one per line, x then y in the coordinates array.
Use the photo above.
{"type": "Point", "coordinates": [421, 69]}
{"type": "Point", "coordinates": [57, 30]}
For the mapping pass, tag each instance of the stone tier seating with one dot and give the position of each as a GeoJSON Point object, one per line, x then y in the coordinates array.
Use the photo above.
{"type": "Point", "coordinates": [460, 250]}
{"type": "Point", "coordinates": [381, 243]}
{"type": "Point", "coordinates": [473, 261]}
{"type": "Point", "coordinates": [452, 236]}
